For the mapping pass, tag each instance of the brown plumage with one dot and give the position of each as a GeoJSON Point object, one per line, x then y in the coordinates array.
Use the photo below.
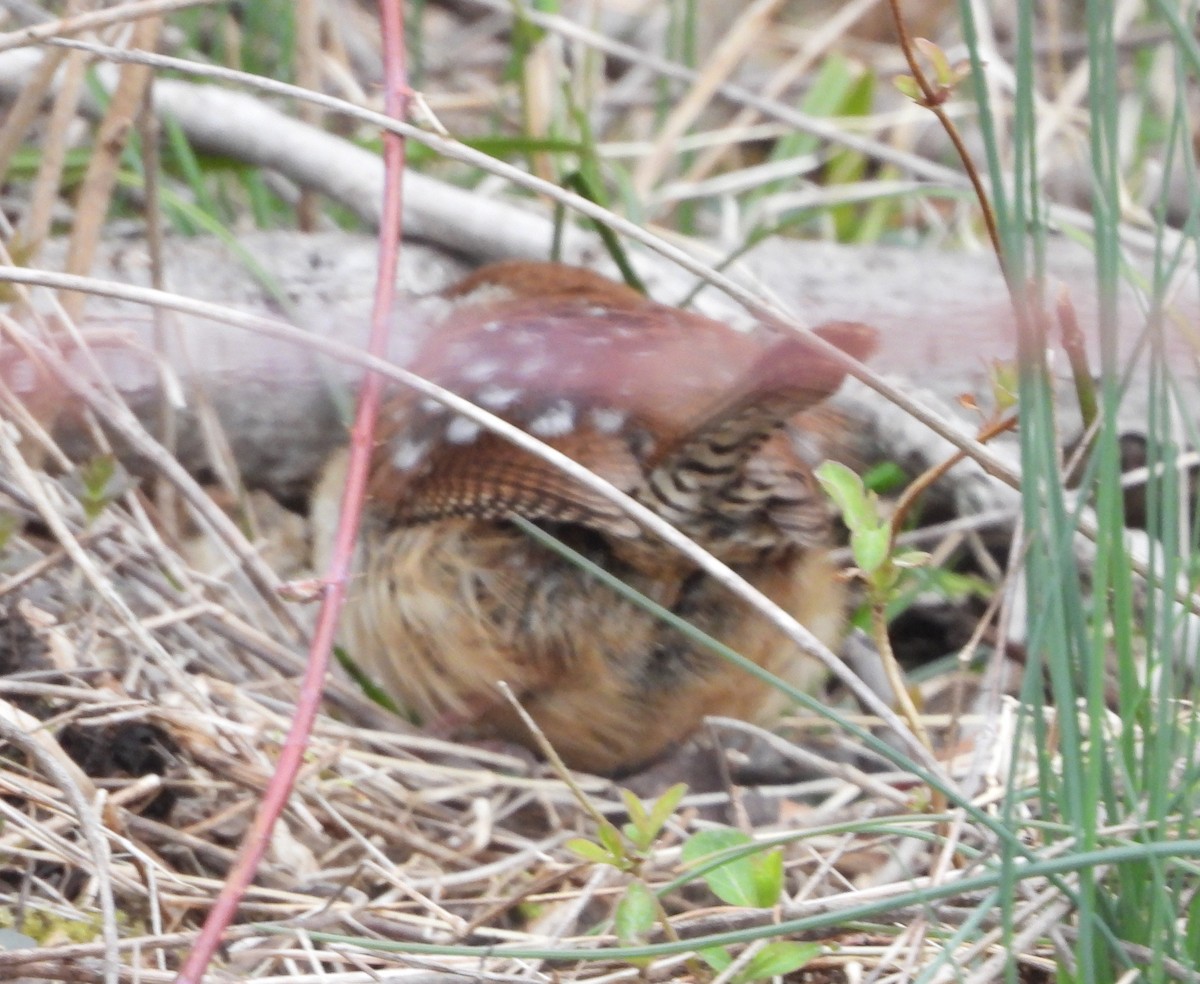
{"type": "Point", "coordinates": [681, 412]}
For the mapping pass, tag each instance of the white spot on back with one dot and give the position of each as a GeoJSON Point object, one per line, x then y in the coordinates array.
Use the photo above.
{"type": "Point", "coordinates": [408, 454]}
{"type": "Point", "coordinates": [608, 420]}
{"type": "Point", "coordinates": [555, 421]}
{"type": "Point", "coordinates": [462, 430]}
{"type": "Point", "coordinates": [481, 370]}
{"type": "Point", "coordinates": [495, 397]}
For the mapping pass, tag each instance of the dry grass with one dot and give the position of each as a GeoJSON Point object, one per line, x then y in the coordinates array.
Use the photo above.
{"type": "Point", "coordinates": [171, 690]}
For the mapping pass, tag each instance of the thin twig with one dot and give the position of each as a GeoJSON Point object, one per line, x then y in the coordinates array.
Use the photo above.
{"type": "Point", "coordinates": [933, 99]}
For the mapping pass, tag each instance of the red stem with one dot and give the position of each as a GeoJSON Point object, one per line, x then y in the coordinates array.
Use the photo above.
{"type": "Point", "coordinates": [337, 577]}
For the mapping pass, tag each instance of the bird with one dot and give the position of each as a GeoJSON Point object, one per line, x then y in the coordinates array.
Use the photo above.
{"type": "Point", "coordinates": [702, 423]}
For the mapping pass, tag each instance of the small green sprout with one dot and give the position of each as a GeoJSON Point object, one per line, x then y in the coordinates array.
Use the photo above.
{"type": "Point", "coordinates": [880, 565]}
{"type": "Point", "coordinates": [946, 77]}
{"type": "Point", "coordinates": [98, 483]}
{"type": "Point", "coordinates": [645, 825]}
{"type": "Point", "coordinates": [626, 849]}
{"type": "Point", "coordinates": [1003, 376]}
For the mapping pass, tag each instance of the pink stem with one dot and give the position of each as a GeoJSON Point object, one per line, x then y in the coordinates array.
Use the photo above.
{"type": "Point", "coordinates": [337, 577]}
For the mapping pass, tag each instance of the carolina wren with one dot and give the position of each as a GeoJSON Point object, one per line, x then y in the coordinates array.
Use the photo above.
{"type": "Point", "coordinates": [682, 412]}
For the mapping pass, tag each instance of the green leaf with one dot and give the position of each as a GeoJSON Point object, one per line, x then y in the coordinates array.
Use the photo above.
{"type": "Point", "coordinates": [908, 87]}
{"type": "Point", "coordinates": [767, 869]}
{"type": "Point", "coordinates": [645, 825]}
{"type": "Point", "coordinates": [736, 881]}
{"type": "Point", "coordinates": [98, 473]}
{"type": "Point", "coordinates": [706, 844]}
{"type": "Point", "coordinates": [885, 582]}
{"type": "Point", "coordinates": [589, 850]}
{"type": "Point", "coordinates": [848, 494]}
{"type": "Point", "coordinates": [636, 810]}
{"type": "Point", "coordinates": [98, 482]}
{"type": "Point", "coordinates": [635, 914]}
{"type": "Point", "coordinates": [610, 837]}
{"type": "Point", "coordinates": [937, 58]}
{"type": "Point", "coordinates": [870, 548]}
{"type": "Point", "coordinates": [777, 959]}
{"type": "Point", "coordinates": [1005, 382]}
{"type": "Point", "coordinates": [887, 476]}
{"type": "Point", "coordinates": [911, 558]}
{"type": "Point", "coordinates": [666, 805]}
{"type": "Point", "coordinates": [717, 957]}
